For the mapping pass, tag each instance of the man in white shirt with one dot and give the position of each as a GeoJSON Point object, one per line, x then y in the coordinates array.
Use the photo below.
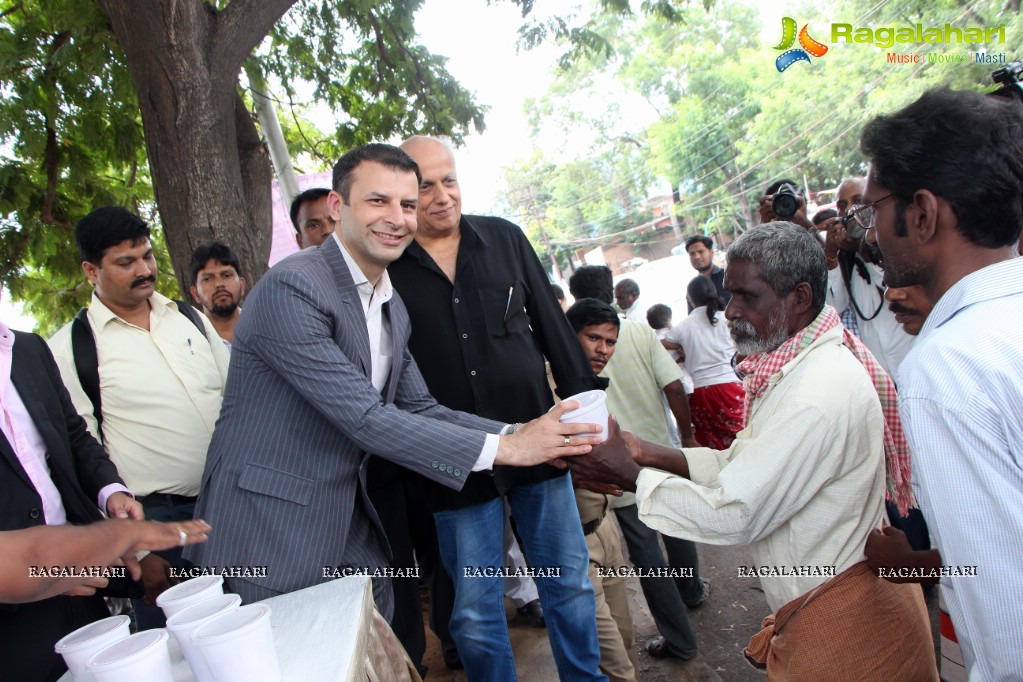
{"type": "Point", "coordinates": [944, 199]}
{"type": "Point", "coordinates": [161, 380]}
{"type": "Point", "coordinates": [856, 283]}
{"type": "Point", "coordinates": [803, 484]}
{"type": "Point", "coordinates": [627, 299]}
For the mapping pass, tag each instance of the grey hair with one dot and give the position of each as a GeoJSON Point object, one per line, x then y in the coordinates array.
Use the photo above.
{"type": "Point", "coordinates": [628, 286]}
{"type": "Point", "coordinates": [785, 255]}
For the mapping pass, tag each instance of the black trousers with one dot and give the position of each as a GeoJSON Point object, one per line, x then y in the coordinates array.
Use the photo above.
{"type": "Point", "coordinates": [405, 515]}
{"type": "Point", "coordinates": [29, 631]}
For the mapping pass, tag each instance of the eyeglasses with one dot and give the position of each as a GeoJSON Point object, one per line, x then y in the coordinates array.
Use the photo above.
{"type": "Point", "coordinates": [864, 214]}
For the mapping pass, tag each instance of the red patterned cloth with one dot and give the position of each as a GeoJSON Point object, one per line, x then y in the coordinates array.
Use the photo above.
{"type": "Point", "coordinates": [718, 413]}
{"type": "Point", "coordinates": [759, 368]}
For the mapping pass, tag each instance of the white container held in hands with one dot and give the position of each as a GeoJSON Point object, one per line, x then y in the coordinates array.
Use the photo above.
{"type": "Point", "coordinates": [593, 410]}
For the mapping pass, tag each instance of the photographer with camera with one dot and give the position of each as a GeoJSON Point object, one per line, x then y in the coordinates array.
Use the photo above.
{"type": "Point", "coordinates": [854, 280]}
{"type": "Point", "coordinates": [856, 289]}
{"type": "Point", "coordinates": [784, 200]}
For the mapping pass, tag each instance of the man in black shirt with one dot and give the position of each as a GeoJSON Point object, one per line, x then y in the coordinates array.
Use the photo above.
{"type": "Point", "coordinates": [483, 320]}
{"type": "Point", "coordinates": [700, 248]}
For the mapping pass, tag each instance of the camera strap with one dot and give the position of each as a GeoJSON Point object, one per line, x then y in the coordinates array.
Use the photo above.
{"type": "Point", "coordinates": [847, 264]}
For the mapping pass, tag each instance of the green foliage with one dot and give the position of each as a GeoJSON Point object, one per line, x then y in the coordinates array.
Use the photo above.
{"type": "Point", "coordinates": [71, 135]}
{"type": "Point", "coordinates": [728, 123]}
{"type": "Point", "coordinates": [71, 141]}
{"type": "Point", "coordinates": [360, 58]}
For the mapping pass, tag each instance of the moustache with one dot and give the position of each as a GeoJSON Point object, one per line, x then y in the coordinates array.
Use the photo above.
{"type": "Point", "coordinates": [741, 328]}
{"type": "Point", "coordinates": [139, 281]}
{"type": "Point", "coordinates": [899, 309]}
{"type": "Point", "coordinates": [874, 251]}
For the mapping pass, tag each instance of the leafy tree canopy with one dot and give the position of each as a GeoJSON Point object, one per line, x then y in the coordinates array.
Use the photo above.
{"type": "Point", "coordinates": [727, 123]}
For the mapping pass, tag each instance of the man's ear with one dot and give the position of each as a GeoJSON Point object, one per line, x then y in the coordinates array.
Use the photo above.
{"type": "Point", "coordinates": [922, 216]}
{"type": "Point", "coordinates": [802, 298]}
{"type": "Point", "coordinates": [241, 292]}
{"type": "Point", "coordinates": [334, 202]}
{"type": "Point", "coordinates": [195, 296]}
{"type": "Point", "coordinates": [91, 271]}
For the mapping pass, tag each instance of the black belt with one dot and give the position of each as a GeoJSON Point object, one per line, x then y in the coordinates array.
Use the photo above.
{"type": "Point", "coordinates": [590, 527]}
{"type": "Point", "coordinates": [165, 499]}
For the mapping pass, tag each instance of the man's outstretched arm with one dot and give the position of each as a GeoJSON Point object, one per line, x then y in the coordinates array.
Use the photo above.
{"type": "Point", "coordinates": [105, 543]}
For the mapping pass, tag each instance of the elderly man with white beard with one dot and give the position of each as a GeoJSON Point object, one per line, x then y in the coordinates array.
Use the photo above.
{"type": "Point", "coordinates": [803, 484]}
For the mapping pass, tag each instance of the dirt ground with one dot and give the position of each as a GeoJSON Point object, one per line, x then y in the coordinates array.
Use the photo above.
{"type": "Point", "coordinates": [724, 624]}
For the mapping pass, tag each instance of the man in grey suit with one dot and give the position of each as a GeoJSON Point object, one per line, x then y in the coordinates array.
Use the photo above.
{"type": "Point", "coordinates": [321, 377]}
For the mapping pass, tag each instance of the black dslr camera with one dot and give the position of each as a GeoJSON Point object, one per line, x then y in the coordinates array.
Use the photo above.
{"type": "Point", "coordinates": [852, 226]}
{"type": "Point", "coordinates": [785, 202]}
{"type": "Point", "coordinates": [1009, 77]}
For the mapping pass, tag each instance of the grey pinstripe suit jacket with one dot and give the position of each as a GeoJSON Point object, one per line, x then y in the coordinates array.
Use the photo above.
{"type": "Point", "coordinates": [285, 471]}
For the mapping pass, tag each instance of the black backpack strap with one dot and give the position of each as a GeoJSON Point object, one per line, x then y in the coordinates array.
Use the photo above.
{"type": "Point", "coordinates": [193, 315]}
{"type": "Point", "coordinates": [83, 350]}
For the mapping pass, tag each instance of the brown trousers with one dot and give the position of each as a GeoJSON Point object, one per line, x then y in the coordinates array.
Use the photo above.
{"type": "Point", "coordinates": [856, 626]}
{"type": "Point", "coordinates": [618, 658]}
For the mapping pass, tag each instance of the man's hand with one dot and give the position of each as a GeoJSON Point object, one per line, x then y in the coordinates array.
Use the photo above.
{"type": "Point", "coordinates": [890, 549]}
{"type": "Point", "coordinates": [610, 462]}
{"type": "Point", "coordinates": [87, 588]}
{"type": "Point", "coordinates": [156, 577]}
{"type": "Point", "coordinates": [546, 438]}
{"type": "Point", "coordinates": [123, 506]}
{"type": "Point", "coordinates": [601, 488]}
{"type": "Point", "coordinates": [156, 535]}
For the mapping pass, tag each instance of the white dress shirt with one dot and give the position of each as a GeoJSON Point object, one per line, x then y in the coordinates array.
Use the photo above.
{"type": "Point", "coordinates": [378, 326]}
{"type": "Point", "coordinates": [803, 484]}
{"type": "Point", "coordinates": [961, 402]}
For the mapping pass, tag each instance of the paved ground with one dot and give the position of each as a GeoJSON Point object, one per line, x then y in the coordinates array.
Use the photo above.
{"type": "Point", "coordinates": [724, 624]}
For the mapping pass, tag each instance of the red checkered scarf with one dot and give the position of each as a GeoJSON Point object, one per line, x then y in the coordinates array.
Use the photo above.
{"type": "Point", "coordinates": [759, 368]}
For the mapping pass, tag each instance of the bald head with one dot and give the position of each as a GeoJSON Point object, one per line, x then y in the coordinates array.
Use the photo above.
{"type": "Point", "coordinates": [440, 198]}
{"type": "Point", "coordinates": [849, 193]}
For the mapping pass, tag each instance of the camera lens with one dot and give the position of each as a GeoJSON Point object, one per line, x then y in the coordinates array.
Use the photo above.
{"type": "Point", "coordinates": [784, 205]}
{"type": "Point", "coordinates": [785, 202]}
{"type": "Point", "coordinates": [854, 230]}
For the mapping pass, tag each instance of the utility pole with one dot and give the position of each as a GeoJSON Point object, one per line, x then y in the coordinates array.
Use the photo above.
{"type": "Point", "coordinates": [272, 133]}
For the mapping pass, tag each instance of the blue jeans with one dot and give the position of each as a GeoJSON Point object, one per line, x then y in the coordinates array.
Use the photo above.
{"type": "Point", "coordinates": [666, 598]}
{"type": "Point", "coordinates": [472, 539]}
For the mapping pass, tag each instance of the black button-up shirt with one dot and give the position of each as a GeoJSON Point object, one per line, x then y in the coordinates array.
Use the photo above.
{"type": "Point", "coordinates": [480, 342]}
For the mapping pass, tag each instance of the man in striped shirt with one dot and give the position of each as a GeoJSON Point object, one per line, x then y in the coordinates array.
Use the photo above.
{"type": "Point", "coordinates": [944, 201]}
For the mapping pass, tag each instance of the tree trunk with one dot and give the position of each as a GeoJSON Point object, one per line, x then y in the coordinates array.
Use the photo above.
{"type": "Point", "coordinates": [211, 175]}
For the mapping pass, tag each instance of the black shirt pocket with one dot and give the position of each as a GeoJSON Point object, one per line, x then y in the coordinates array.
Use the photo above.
{"type": "Point", "coordinates": [504, 309]}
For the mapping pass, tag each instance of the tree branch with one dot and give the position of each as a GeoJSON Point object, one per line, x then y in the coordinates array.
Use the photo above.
{"type": "Point", "coordinates": [424, 102]}
{"type": "Point", "coordinates": [239, 29]}
{"type": "Point", "coordinates": [51, 156]}
{"type": "Point", "coordinates": [13, 8]}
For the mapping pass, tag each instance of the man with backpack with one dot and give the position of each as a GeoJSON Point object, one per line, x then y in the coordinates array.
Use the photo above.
{"type": "Point", "coordinates": [147, 374]}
